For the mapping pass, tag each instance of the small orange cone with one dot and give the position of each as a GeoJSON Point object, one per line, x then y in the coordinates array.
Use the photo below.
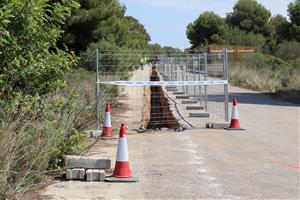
{"type": "Point", "coordinates": [235, 121]}
{"type": "Point", "coordinates": [107, 128]}
{"type": "Point", "coordinates": [122, 168]}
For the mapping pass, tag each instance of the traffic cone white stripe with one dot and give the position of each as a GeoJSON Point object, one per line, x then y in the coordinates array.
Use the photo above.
{"type": "Point", "coordinates": [107, 121]}
{"type": "Point", "coordinates": [235, 114]}
{"type": "Point", "coordinates": [122, 153]}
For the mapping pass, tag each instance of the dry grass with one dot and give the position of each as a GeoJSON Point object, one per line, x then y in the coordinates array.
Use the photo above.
{"type": "Point", "coordinates": [268, 80]}
{"type": "Point", "coordinates": [33, 141]}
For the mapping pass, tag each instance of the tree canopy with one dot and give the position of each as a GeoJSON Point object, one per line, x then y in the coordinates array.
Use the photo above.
{"type": "Point", "coordinates": [249, 24]}
{"type": "Point", "coordinates": [294, 14]}
{"type": "Point", "coordinates": [206, 29]}
{"type": "Point", "coordinates": [103, 20]}
{"type": "Point", "coordinates": [30, 62]}
{"type": "Point", "coordinates": [249, 15]}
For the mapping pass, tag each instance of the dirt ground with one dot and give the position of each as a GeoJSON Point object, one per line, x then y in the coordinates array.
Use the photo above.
{"type": "Point", "coordinates": [261, 162]}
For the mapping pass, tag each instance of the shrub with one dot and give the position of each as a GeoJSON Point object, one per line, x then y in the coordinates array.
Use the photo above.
{"type": "Point", "coordinates": [259, 60]}
{"type": "Point", "coordinates": [235, 36]}
{"type": "Point", "coordinates": [267, 73]}
{"type": "Point", "coordinates": [288, 51]}
{"type": "Point", "coordinates": [36, 136]}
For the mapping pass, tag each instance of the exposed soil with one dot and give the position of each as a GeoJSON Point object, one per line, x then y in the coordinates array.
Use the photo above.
{"type": "Point", "coordinates": [161, 115]}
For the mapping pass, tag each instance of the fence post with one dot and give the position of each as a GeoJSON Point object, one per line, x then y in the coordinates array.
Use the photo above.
{"type": "Point", "coordinates": [182, 72]}
{"type": "Point", "coordinates": [226, 85]}
{"type": "Point", "coordinates": [186, 75]}
{"type": "Point", "coordinates": [194, 72]}
{"type": "Point", "coordinates": [97, 92]}
{"type": "Point", "coordinates": [205, 78]}
{"type": "Point", "coordinates": [199, 77]}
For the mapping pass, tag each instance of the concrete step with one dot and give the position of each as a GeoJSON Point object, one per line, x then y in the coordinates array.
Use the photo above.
{"type": "Point", "coordinates": [190, 102]}
{"type": "Point", "coordinates": [199, 115]}
{"type": "Point", "coordinates": [183, 97]}
{"type": "Point", "coordinates": [178, 93]}
{"type": "Point", "coordinates": [195, 108]}
{"type": "Point", "coordinates": [172, 89]}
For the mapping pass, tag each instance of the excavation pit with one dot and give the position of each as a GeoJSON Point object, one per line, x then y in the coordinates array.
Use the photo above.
{"type": "Point", "coordinates": [161, 115]}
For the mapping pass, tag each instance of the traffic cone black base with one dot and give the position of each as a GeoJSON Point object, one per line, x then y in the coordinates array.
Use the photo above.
{"type": "Point", "coordinates": [122, 180]}
{"type": "Point", "coordinates": [235, 129]}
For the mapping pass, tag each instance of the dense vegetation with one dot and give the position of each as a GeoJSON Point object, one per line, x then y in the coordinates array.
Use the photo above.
{"type": "Point", "coordinates": [275, 67]}
{"type": "Point", "coordinates": [46, 99]}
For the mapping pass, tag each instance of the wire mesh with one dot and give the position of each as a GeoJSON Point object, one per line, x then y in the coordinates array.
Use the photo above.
{"type": "Point", "coordinates": [164, 106]}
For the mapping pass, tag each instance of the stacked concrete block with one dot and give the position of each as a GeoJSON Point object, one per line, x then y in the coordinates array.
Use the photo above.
{"type": "Point", "coordinates": [91, 168]}
{"type": "Point", "coordinates": [87, 162]}
{"type": "Point", "coordinates": [95, 175]}
{"type": "Point", "coordinates": [75, 174]}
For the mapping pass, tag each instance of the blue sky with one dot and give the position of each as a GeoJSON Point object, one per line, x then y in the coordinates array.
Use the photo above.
{"type": "Point", "coordinates": [166, 20]}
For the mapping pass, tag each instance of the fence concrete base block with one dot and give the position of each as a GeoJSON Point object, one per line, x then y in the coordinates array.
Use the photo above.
{"type": "Point", "coordinates": [171, 86]}
{"type": "Point", "coordinates": [87, 162]}
{"type": "Point", "coordinates": [75, 174]}
{"type": "Point", "coordinates": [195, 107]}
{"type": "Point", "coordinates": [172, 89]}
{"type": "Point", "coordinates": [109, 138]}
{"type": "Point", "coordinates": [182, 97]}
{"type": "Point", "coordinates": [234, 129]}
{"type": "Point", "coordinates": [122, 180]}
{"type": "Point", "coordinates": [95, 133]}
{"type": "Point", "coordinates": [217, 125]}
{"type": "Point", "coordinates": [199, 115]}
{"type": "Point", "coordinates": [178, 93]}
{"type": "Point", "coordinates": [95, 175]}
{"type": "Point", "coordinates": [190, 102]}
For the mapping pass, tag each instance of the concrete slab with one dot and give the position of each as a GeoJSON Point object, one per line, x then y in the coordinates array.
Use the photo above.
{"type": "Point", "coordinates": [190, 102]}
{"type": "Point", "coordinates": [95, 175]}
{"type": "Point", "coordinates": [199, 115]}
{"type": "Point", "coordinates": [75, 174]}
{"type": "Point", "coordinates": [87, 162]}
{"type": "Point", "coordinates": [183, 97]}
{"type": "Point", "coordinates": [195, 108]}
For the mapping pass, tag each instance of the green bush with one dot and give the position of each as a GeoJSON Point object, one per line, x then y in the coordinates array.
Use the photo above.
{"type": "Point", "coordinates": [288, 51]}
{"type": "Point", "coordinates": [259, 60]}
{"type": "Point", "coordinates": [235, 36]}
{"type": "Point", "coordinates": [72, 144]}
{"type": "Point", "coordinates": [267, 73]}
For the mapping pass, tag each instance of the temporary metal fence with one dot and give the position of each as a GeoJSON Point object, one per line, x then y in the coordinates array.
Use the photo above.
{"type": "Point", "coordinates": [194, 87]}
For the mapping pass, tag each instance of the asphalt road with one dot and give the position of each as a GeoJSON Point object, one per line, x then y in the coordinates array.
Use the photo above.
{"type": "Point", "coordinates": [261, 162]}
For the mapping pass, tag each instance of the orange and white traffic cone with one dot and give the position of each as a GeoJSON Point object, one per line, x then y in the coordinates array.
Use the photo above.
{"type": "Point", "coordinates": [122, 172]}
{"type": "Point", "coordinates": [122, 168]}
{"type": "Point", "coordinates": [107, 128]}
{"type": "Point", "coordinates": [235, 121]}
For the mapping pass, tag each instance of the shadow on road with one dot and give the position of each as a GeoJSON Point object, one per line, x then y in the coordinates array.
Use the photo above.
{"type": "Point", "coordinates": [252, 98]}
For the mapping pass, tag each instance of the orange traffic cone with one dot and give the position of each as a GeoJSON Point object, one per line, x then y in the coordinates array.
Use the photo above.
{"type": "Point", "coordinates": [122, 172]}
{"type": "Point", "coordinates": [107, 128]}
{"type": "Point", "coordinates": [122, 168]}
{"type": "Point", "coordinates": [235, 121]}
